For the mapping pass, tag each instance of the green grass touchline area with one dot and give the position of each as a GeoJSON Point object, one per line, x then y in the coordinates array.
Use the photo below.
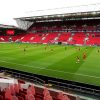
{"type": "Point", "coordinates": [63, 62]}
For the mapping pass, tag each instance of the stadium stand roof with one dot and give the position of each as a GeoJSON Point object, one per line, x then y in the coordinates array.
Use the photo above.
{"type": "Point", "coordinates": [58, 14]}
{"type": "Point", "coordinates": [64, 10]}
{"type": "Point", "coordinates": [7, 26]}
{"type": "Point", "coordinates": [2, 26]}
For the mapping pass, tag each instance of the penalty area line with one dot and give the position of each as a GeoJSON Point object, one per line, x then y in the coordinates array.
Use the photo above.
{"type": "Point", "coordinates": [45, 68]}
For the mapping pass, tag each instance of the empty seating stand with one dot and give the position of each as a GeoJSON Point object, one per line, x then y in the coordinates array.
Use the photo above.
{"type": "Point", "coordinates": [64, 37]}
{"type": "Point", "coordinates": [22, 94]}
{"type": "Point", "coordinates": [78, 38]}
{"type": "Point", "coordinates": [93, 39]}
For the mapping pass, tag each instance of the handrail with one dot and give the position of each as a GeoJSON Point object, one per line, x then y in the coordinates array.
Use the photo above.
{"type": "Point", "coordinates": [25, 76]}
{"type": "Point", "coordinates": [68, 86]}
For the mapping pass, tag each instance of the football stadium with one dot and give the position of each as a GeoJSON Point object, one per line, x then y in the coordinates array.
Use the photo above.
{"type": "Point", "coordinates": [52, 56]}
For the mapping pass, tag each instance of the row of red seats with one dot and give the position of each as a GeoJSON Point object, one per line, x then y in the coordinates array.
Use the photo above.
{"type": "Point", "coordinates": [77, 38]}
{"type": "Point", "coordinates": [16, 92]}
{"type": "Point", "coordinates": [75, 27]}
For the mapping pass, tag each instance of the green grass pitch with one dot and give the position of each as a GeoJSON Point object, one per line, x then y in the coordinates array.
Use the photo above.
{"type": "Point", "coordinates": [53, 60]}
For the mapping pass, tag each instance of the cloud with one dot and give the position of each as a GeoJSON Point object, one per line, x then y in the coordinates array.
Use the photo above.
{"type": "Point", "coordinates": [10, 9]}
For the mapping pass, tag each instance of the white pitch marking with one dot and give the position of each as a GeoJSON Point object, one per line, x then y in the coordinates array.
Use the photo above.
{"type": "Point", "coordinates": [51, 69]}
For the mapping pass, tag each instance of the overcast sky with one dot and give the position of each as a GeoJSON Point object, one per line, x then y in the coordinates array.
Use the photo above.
{"type": "Point", "coordinates": [10, 9]}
